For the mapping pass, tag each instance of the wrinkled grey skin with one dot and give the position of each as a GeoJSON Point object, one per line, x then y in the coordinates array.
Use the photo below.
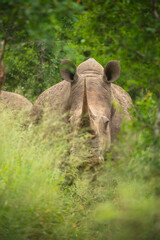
{"type": "Point", "coordinates": [89, 91]}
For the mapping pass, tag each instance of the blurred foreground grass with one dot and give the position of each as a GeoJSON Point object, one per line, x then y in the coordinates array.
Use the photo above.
{"type": "Point", "coordinates": [117, 200]}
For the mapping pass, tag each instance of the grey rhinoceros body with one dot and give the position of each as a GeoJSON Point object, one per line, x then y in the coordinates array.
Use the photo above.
{"type": "Point", "coordinates": [14, 101]}
{"type": "Point", "coordinates": [88, 91]}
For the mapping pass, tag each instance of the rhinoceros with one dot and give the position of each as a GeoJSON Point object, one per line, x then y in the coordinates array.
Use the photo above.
{"type": "Point", "coordinates": [14, 101]}
{"type": "Point", "coordinates": [88, 90]}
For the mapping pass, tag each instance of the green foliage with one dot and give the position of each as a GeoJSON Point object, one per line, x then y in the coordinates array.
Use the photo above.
{"type": "Point", "coordinates": [32, 64]}
{"type": "Point", "coordinates": [30, 30]}
{"type": "Point", "coordinates": [30, 182]}
{"type": "Point", "coordinates": [39, 19]}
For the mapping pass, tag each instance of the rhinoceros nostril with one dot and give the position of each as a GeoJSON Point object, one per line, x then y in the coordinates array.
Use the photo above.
{"type": "Point", "coordinates": [93, 137]}
{"type": "Point", "coordinates": [105, 121]}
{"type": "Point", "coordinates": [90, 131]}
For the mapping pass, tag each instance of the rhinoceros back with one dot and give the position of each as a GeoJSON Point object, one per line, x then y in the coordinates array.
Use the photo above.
{"type": "Point", "coordinates": [14, 101]}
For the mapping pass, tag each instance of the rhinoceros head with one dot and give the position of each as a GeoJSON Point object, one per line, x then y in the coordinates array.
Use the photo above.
{"type": "Point", "coordinates": [91, 97]}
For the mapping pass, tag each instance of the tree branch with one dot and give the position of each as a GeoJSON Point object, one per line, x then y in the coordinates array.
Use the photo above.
{"type": "Point", "coordinates": [2, 70]}
{"type": "Point", "coordinates": [154, 6]}
{"type": "Point", "coordinates": [3, 44]}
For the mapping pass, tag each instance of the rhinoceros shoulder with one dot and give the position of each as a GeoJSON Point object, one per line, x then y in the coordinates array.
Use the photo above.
{"type": "Point", "coordinates": [50, 101]}
{"type": "Point", "coordinates": [121, 96]}
{"type": "Point", "coordinates": [14, 101]}
{"type": "Point", "coordinates": [57, 93]}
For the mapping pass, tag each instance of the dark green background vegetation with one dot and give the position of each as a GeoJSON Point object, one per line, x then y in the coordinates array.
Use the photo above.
{"type": "Point", "coordinates": [123, 200]}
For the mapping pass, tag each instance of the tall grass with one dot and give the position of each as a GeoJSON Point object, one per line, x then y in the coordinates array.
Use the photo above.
{"type": "Point", "coordinates": [46, 194]}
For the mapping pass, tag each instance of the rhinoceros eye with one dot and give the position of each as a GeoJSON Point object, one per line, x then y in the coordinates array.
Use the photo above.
{"type": "Point", "coordinates": [106, 124]}
{"type": "Point", "coordinates": [105, 121]}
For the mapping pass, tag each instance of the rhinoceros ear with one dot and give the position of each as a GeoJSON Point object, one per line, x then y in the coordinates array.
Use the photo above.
{"type": "Point", "coordinates": [67, 70]}
{"type": "Point", "coordinates": [112, 71]}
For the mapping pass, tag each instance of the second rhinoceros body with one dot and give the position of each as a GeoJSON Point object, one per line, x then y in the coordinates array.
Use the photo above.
{"type": "Point", "coordinates": [14, 101]}
{"type": "Point", "coordinates": [88, 90]}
